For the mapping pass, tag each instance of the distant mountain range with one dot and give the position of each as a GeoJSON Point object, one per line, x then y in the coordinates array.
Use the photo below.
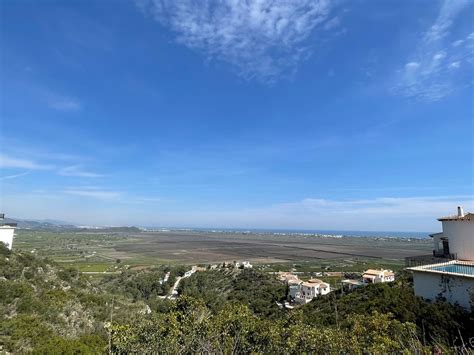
{"type": "Point", "coordinates": [40, 224]}
{"type": "Point", "coordinates": [51, 224]}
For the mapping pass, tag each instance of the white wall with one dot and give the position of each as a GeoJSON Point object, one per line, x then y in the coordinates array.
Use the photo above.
{"type": "Point", "coordinates": [461, 238]}
{"type": "Point", "coordinates": [325, 291]}
{"type": "Point", "coordinates": [6, 236]}
{"type": "Point", "coordinates": [455, 289]}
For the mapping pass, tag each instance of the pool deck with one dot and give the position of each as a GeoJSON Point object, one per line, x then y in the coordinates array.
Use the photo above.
{"type": "Point", "coordinates": [429, 268]}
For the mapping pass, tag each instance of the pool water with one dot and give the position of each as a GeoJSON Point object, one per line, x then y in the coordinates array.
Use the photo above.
{"type": "Point", "coordinates": [455, 268]}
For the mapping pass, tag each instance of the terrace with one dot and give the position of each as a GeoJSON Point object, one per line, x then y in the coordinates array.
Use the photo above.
{"type": "Point", "coordinates": [428, 259]}
{"type": "Point", "coordinates": [454, 267]}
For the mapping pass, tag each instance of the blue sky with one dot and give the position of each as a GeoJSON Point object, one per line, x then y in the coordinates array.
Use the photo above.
{"type": "Point", "coordinates": [267, 114]}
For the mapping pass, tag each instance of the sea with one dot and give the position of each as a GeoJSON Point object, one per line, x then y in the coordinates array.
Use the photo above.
{"type": "Point", "coordinates": [312, 232]}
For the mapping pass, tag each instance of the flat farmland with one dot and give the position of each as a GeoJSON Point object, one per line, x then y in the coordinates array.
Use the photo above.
{"type": "Point", "coordinates": [193, 247]}
{"type": "Point", "coordinates": [202, 247]}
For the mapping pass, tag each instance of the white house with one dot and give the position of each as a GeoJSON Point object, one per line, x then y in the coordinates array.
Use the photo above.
{"type": "Point", "coordinates": [311, 289]}
{"type": "Point", "coordinates": [452, 280]}
{"type": "Point", "coordinates": [294, 288]}
{"type": "Point", "coordinates": [246, 264]}
{"type": "Point", "coordinates": [243, 265]}
{"type": "Point", "coordinates": [377, 276]}
{"type": "Point", "coordinates": [287, 277]}
{"type": "Point", "coordinates": [7, 231]}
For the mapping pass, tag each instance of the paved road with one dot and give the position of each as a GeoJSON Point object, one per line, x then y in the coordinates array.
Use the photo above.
{"type": "Point", "coordinates": [174, 291]}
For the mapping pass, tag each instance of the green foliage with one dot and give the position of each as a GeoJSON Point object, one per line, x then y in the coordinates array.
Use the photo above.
{"type": "Point", "coordinates": [86, 344]}
{"type": "Point", "coordinates": [436, 322]}
{"type": "Point", "coordinates": [4, 251]}
{"type": "Point", "coordinates": [47, 309]}
{"type": "Point", "coordinates": [144, 285]}
{"type": "Point", "coordinates": [40, 301]}
{"type": "Point", "coordinates": [191, 328]}
{"type": "Point", "coordinates": [254, 288]}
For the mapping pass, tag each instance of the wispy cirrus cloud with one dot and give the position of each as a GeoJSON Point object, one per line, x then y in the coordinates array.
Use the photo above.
{"type": "Point", "coordinates": [14, 176]}
{"type": "Point", "coordinates": [439, 66]}
{"type": "Point", "coordinates": [449, 10]}
{"type": "Point", "coordinates": [261, 39]}
{"type": "Point", "coordinates": [7, 161]}
{"type": "Point", "coordinates": [93, 192]}
{"type": "Point", "coordinates": [63, 103]}
{"type": "Point", "coordinates": [78, 171]}
{"type": "Point", "coordinates": [417, 213]}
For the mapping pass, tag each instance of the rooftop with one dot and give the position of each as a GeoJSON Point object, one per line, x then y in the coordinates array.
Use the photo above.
{"type": "Point", "coordinates": [378, 272]}
{"type": "Point", "coordinates": [460, 216]}
{"type": "Point", "coordinates": [352, 282]}
{"type": "Point", "coordinates": [313, 283]}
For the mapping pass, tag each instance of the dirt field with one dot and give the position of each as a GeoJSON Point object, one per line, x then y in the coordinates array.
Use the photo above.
{"type": "Point", "coordinates": [203, 247]}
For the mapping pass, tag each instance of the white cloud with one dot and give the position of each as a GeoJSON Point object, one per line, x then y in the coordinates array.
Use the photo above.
{"type": "Point", "coordinates": [455, 65]}
{"type": "Point", "coordinates": [446, 17]}
{"type": "Point", "coordinates": [14, 176]}
{"type": "Point", "coordinates": [261, 39]}
{"type": "Point", "coordinates": [429, 75]}
{"type": "Point", "coordinates": [332, 23]}
{"type": "Point", "coordinates": [377, 214]}
{"type": "Point", "coordinates": [412, 66]}
{"type": "Point", "coordinates": [149, 199]}
{"type": "Point", "coordinates": [77, 171]}
{"type": "Point", "coordinates": [64, 104]}
{"type": "Point", "coordinates": [93, 193]}
{"type": "Point", "coordinates": [7, 161]}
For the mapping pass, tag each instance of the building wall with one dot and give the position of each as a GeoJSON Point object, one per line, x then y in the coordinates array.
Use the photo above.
{"type": "Point", "coordinates": [293, 290]}
{"type": "Point", "coordinates": [325, 291]}
{"type": "Point", "coordinates": [455, 289]}
{"type": "Point", "coordinates": [437, 245]}
{"type": "Point", "coordinates": [6, 236]}
{"type": "Point", "coordinates": [461, 238]}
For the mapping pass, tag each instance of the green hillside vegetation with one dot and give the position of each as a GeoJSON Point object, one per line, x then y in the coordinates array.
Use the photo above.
{"type": "Point", "coordinates": [436, 322]}
{"type": "Point", "coordinates": [49, 309]}
{"type": "Point", "coordinates": [257, 290]}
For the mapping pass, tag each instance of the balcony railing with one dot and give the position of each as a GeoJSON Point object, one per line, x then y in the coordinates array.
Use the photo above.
{"type": "Point", "coordinates": [421, 260]}
{"type": "Point", "coordinates": [457, 267]}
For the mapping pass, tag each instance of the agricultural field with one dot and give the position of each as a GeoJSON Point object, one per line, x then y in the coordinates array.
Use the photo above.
{"type": "Point", "coordinates": [96, 251]}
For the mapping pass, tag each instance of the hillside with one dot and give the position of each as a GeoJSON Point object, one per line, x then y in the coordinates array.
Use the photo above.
{"type": "Point", "coordinates": [46, 308]}
{"type": "Point", "coordinates": [43, 305]}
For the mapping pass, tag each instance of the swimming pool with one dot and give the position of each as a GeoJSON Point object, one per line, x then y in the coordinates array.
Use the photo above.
{"type": "Point", "coordinates": [455, 268]}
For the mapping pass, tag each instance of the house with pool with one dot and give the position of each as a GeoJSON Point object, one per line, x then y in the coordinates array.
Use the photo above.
{"type": "Point", "coordinates": [453, 279]}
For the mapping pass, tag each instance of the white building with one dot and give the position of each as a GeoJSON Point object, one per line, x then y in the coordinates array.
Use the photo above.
{"type": "Point", "coordinates": [287, 277]}
{"type": "Point", "coordinates": [311, 289]}
{"type": "Point", "coordinates": [303, 292]}
{"type": "Point", "coordinates": [294, 288]}
{"type": "Point", "coordinates": [7, 231]}
{"type": "Point", "coordinates": [453, 280]}
{"type": "Point", "coordinates": [243, 265]}
{"type": "Point", "coordinates": [377, 276]}
{"type": "Point", "coordinates": [458, 232]}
